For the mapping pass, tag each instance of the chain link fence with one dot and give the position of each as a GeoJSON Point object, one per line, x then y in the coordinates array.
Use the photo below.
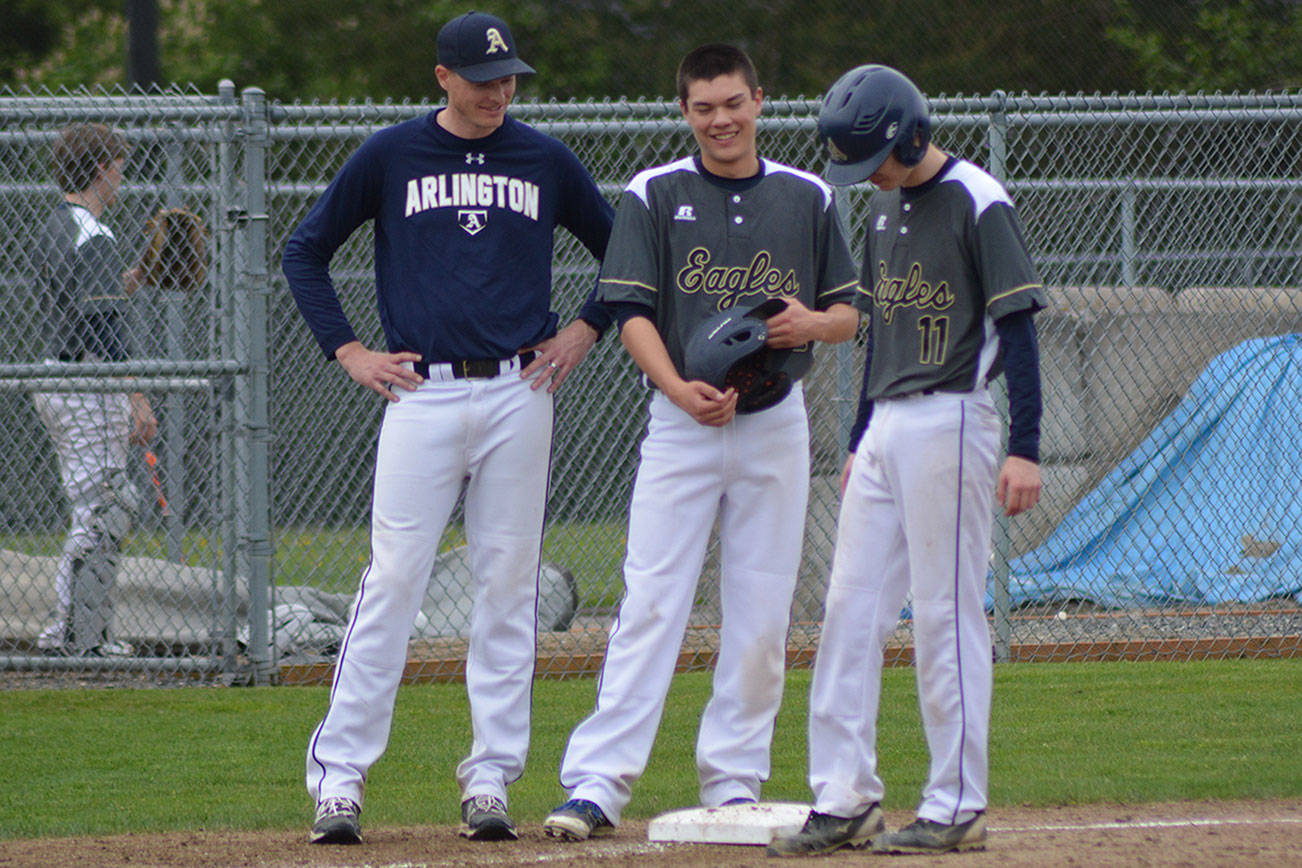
{"type": "Point", "coordinates": [1168, 230]}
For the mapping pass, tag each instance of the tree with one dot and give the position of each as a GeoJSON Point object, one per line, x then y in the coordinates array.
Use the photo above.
{"type": "Point", "coordinates": [1214, 45]}
{"type": "Point", "coordinates": [340, 50]}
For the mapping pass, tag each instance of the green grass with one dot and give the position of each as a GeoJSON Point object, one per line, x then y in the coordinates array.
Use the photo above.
{"type": "Point", "coordinates": [115, 761]}
{"type": "Point", "coordinates": [333, 558]}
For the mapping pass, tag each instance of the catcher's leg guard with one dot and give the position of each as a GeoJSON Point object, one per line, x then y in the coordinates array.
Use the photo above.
{"type": "Point", "coordinates": [94, 573]}
{"type": "Point", "coordinates": [95, 567]}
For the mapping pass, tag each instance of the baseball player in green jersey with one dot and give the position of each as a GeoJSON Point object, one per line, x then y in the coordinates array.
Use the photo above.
{"type": "Point", "coordinates": [950, 291]}
{"type": "Point", "coordinates": [717, 230]}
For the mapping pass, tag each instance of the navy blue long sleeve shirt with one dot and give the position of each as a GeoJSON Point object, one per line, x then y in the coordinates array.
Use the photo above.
{"type": "Point", "coordinates": [463, 239]}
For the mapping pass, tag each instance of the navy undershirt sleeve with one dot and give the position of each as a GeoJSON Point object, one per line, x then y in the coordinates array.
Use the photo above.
{"type": "Point", "coordinates": [1022, 373]}
{"type": "Point", "coordinates": [626, 310]}
{"type": "Point", "coordinates": [865, 406]}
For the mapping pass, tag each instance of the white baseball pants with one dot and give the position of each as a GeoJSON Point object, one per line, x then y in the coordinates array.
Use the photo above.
{"type": "Point", "coordinates": [89, 432]}
{"type": "Point", "coordinates": [752, 475]}
{"type": "Point", "coordinates": [495, 436]}
{"type": "Point", "coordinates": [915, 519]}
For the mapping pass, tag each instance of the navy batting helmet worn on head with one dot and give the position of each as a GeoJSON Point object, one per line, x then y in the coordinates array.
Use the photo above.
{"type": "Point", "coordinates": [871, 112]}
{"type": "Point", "coordinates": [728, 351]}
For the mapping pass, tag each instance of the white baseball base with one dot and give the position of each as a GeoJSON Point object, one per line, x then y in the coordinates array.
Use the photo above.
{"type": "Point", "coordinates": [757, 824]}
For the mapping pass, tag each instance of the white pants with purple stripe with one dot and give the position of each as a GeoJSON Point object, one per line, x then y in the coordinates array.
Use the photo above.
{"type": "Point", "coordinates": [752, 477]}
{"type": "Point", "coordinates": [495, 436]}
{"type": "Point", "coordinates": [915, 520]}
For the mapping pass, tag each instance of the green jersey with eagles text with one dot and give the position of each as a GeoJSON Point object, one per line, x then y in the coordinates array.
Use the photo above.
{"type": "Point", "coordinates": [689, 244]}
{"type": "Point", "coordinates": [942, 262]}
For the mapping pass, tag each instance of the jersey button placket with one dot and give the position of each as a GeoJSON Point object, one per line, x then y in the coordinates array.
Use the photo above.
{"type": "Point", "coordinates": [736, 217]}
{"type": "Point", "coordinates": [901, 246]}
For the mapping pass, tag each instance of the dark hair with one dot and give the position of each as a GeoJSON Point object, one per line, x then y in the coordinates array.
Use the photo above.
{"type": "Point", "coordinates": [708, 62]}
{"type": "Point", "coordinates": [81, 151]}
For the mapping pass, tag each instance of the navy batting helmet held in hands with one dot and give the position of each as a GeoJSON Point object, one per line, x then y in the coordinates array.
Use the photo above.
{"type": "Point", "coordinates": [871, 112]}
{"type": "Point", "coordinates": [728, 351]}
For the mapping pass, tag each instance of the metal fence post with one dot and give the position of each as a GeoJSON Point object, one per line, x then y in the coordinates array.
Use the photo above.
{"type": "Point", "coordinates": [223, 476]}
{"type": "Point", "coordinates": [174, 422]}
{"type": "Point", "coordinates": [1002, 536]}
{"type": "Point", "coordinates": [253, 501]}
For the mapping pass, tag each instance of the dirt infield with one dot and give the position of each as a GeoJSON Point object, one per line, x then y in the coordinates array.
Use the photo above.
{"type": "Point", "coordinates": [1176, 834]}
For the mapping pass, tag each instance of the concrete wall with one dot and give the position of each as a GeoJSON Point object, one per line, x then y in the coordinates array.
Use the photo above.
{"type": "Point", "coordinates": [1114, 361]}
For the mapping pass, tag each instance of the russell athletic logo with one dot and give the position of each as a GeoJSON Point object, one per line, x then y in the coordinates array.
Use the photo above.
{"type": "Point", "coordinates": [685, 212]}
{"type": "Point", "coordinates": [495, 41]}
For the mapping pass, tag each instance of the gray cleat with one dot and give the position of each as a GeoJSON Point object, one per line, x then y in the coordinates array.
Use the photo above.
{"type": "Point", "coordinates": [337, 822]}
{"type": "Point", "coordinates": [484, 818]}
{"type": "Point", "coordinates": [928, 836]}
{"type": "Point", "coordinates": [824, 833]}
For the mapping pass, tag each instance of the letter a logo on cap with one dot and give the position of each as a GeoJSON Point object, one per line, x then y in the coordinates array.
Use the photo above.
{"type": "Point", "coordinates": [495, 41]}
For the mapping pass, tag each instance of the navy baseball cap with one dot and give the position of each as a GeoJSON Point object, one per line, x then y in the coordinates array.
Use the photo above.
{"type": "Point", "coordinates": [479, 47]}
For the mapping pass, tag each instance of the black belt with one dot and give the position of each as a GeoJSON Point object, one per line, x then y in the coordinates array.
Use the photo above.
{"type": "Point", "coordinates": [474, 369]}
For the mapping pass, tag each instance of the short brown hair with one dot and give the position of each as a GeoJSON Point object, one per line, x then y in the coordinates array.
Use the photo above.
{"type": "Point", "coordinates": [710, 61]}
{"type": "Point", "coordinates": [80, 153]}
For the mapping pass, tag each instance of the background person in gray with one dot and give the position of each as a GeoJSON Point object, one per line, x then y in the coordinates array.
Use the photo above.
{"type": "Point", "coordinates": [86, 287]}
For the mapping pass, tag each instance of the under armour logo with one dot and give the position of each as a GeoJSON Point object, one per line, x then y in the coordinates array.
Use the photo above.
{"type": "Point", "coordinates": [685, 212]}
{"type": "Point", "coordinates": [472, 221]}
{"type": "Point", "coordinates": [495, 41]}
{"type": "Point", "coordinates": [474, 158]}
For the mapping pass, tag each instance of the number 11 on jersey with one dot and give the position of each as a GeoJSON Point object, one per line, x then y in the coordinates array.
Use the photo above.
{"type": "Point", "coordinates": [935, 339]}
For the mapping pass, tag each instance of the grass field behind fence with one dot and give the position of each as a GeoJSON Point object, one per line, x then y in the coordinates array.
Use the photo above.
{"type": "Point", "coordinates": [333, 558]}
{"type": "Point", "coordinates": [116, 761]}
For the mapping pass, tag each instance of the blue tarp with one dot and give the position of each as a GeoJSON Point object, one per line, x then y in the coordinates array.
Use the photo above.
{"type": "Point", "coordinates": [1208, 509]}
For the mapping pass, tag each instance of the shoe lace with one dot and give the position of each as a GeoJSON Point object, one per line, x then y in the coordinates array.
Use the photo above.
{"type": "Point", "coordinates": [586, 809]}
{"type": "Point", "coordinates": [487, 804]}
{"type": "Point", "coordinates": [816, 823]}
{"type": "Point", "coordinates": [335, 806]}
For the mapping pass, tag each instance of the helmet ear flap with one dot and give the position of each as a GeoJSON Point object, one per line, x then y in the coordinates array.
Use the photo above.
{"type": "Point", "coordinates": [913, 142]}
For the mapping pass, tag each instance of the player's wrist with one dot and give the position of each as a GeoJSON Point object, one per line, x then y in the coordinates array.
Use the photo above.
{"type": "Point", "coordinates": [676, 389]}
{"type": "Point", "coordinates": [346, 351]}
{"type": "Point", "coordinates": [597, 329]}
